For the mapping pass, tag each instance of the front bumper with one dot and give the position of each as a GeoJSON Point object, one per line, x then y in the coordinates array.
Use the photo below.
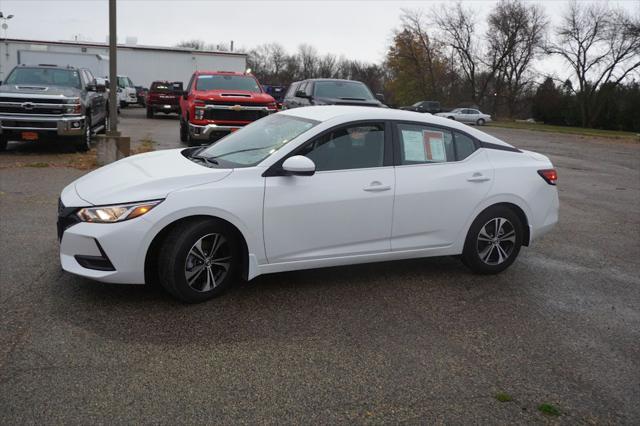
{"type": "Point", "coordinates": [60, 125]}
{"type": "Point", "coordinates": [205, 132]}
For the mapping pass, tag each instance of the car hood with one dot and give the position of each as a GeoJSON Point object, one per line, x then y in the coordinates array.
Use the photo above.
{"type": "Point", "coordinates": [144, 177]}
{"type": "Point", "coordinates": [240, 96]}
{"type": "Point", "coordinates": [351, 102]}
{"type": "Point", "coordinates": [39, 90]}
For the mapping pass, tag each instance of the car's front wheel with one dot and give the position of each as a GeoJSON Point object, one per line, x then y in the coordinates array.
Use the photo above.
{"type": "Point", "coordinates": [83, 142]}
{"type": "Point", "coordinates": [199, 260]}
{"type": "Point", "coordinates": [480, 122]}
{"type": "Point", "coordinates": [183, 131]}
{"type": "Point", "coordinates": [493, 241]}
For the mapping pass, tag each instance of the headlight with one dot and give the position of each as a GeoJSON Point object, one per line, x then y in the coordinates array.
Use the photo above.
{"type": "Point", "coordinates": [116, 213]}
{"type": "Point", "coordinates": [199, 115]}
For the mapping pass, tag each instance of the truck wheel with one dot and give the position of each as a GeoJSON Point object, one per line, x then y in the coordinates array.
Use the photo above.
{"type": "Point", "coordinates": [149, 112]}
{"type": "Point", "coordinates": [123, 104]}
{"type": "Point", "coordinates": [3, 142]}
{"type": "Point", "coordinates": [183, 131]}
{"type": "Point", "coordinates": [83, 143]}
{"type": "Point", "coordinates": [105, 122]}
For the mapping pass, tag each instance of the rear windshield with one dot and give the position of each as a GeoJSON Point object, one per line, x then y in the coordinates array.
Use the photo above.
{"type": "Point", "coordinates": [342, 90]}
{"type": "Point", "coordinates": [166, 87]}
{"type": "Point", "coordinates": [44, 77]}
{"type": "Point", "coordinates": [227, 82]}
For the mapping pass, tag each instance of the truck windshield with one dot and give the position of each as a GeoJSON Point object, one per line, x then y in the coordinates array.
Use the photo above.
{"type": "Point", "coordinates": [123, 82]}
{"type": "Point", "coordinates": [255, 142]}
{"type": "Point", "coordinates": [227, 82]}
{"type": "Point", "coordinates": [44, 77]}
{"type": "Point", "coordinates": [342, 90]}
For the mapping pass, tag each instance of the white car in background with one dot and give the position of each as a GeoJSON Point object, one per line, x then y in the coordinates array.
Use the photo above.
{"type": "Point", "coordinates": [466, 115]}
{"type": "Point", "coordinates": [307, 188]}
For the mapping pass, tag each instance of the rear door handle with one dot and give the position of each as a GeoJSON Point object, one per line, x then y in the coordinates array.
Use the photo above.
{"type": "Point", "coordinates": [376, 186]}
{"type": "Point", "coordinates": [478, 177]}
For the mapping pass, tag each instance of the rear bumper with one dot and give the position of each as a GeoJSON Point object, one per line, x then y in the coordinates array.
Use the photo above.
{"type": "Point", "coordinates": [62, 126]}
{"type": "Point", "coordinates": [163, 107]}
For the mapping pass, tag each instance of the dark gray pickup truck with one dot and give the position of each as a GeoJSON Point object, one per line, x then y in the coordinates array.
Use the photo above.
{"type": "Point", "coordinates": [52, 103]}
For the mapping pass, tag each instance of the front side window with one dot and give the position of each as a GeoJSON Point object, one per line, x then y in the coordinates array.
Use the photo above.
{"type": "Point", "coordinates": [123, 82]}
{"type": "Point", "coordinates": [44, 77]}
{"type": "Point", "coordinates": [228, 82]}
{"type": "Point", "coordinates": [423, 144]}
{"type": "Point", "coordinates": [292, 90]}
{"type": "Point", "coordinates": [353, 90]}
{"type": "Point", "coordinates": [250, 145]}
{"type": "Point", "coordinates": [355, 146]}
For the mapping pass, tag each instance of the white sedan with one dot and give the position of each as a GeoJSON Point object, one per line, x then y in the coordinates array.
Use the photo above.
{"type": "Point", "coordinates": [466, 115]}
{"type": "Point", "coordinates": [307, 188]}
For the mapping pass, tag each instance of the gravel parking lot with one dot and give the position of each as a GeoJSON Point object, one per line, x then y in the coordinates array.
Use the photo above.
{"type": "Point", "coordinates": [420, 341]}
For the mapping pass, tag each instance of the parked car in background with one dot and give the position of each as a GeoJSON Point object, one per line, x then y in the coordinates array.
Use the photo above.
{"type": "Point", "coordinates": [141, 94]}
{"type": "Point", "coordinates": [164, 96]}
{"type": "Point", "coordinates": [126, 91]}
{"type": "Point", "coordinates": [307, 188]}
{"type": "Point", "coordinates": [325, 91]}
{"type": "Point", "coordinates": [432, 107]}
{"type": "Point", "coordinates": [217, 103]}
{"type": "Point", "coordinates": [55, 103]}
{"type": "Point", "coordinates": [276, 92]}
{"type": "Point", "coordinates": [467, 115]}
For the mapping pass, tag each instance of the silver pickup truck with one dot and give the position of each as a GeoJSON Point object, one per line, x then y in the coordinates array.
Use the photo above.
{"type": "Point", "coordinates": [52, 103]}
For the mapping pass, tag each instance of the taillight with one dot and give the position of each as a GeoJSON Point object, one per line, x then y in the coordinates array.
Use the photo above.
{"type": "Point", "coordinates": [549, 175]}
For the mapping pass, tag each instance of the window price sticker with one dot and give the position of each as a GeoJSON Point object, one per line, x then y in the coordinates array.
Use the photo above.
{"type": "Point", "coordinates": [422, 146]}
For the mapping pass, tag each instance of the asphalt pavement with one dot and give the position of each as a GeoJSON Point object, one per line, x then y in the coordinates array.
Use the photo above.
{"type": "Point", "coordinates": [418, 341]}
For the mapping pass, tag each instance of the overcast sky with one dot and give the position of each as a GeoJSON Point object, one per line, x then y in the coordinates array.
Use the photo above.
{"type": "Point", "coordinates": [356, 29]}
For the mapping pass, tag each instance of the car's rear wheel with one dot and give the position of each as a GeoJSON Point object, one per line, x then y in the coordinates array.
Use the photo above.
{"type": "Point", "coordinates": [149, 112]}
{"type": "Point", "coordinates": [480, 122]}
{"type": "Point", "coordinates": [199, 260]}
{"type": "Point", "coordinates": [4, 141]}
{"type": "Point", "coordinates": [493, 241]}
{"type": "Point", "coordinates": [83, 142]}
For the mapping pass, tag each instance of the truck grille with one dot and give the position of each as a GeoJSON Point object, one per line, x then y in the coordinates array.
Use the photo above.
{"type": "Point", "coordinates": [22, 124]}
{"type": "Point", "coordinates": [21, 110]}
{"type": "Point", "coordinates": [230, 115]}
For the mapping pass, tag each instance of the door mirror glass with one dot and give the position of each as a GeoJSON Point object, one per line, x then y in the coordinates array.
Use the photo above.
{"type": "Point", "coordinates": [299, 165]}
{"type": "Point", "coordinates": [100, 85]}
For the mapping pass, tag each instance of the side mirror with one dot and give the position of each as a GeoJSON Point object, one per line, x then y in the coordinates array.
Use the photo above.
{"type": "Point", "coordinates": [299, 165]}
{"type": "Point", "coordinates": [380, 97]}
{"type": "Point", "coordinates": [100, 85]}
{"type": "Point", "coordinates": [301, 94]}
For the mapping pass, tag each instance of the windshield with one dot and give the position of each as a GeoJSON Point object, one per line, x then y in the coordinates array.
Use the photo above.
{"type": "Point", "coordinates": [123, 82]}
{"type": "Point", "coordinates": [227, 82]}
{"type": "Point", "coordinates": [417, 104]}
{"type": "Point", "coordinates": [45, 77]}
{"type": "Point", "coordinates": [342, 90]}
{"type": "Point", "coordinates": [255, 142]}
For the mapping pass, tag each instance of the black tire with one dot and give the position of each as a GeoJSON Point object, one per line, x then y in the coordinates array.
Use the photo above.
{"type": "Point", "coordinates": [105, 122]}
{"type": "Point", "coordinates": [123, 104]}
{"type": "Point", "coordinates": [480, 122]}
{"type": "Point", "coordinates": [483, 251]}
{"type": "Point", "coordinates": [451, 118]}
{"type": "Point", "coordinates": [149, 112]}
{"type": "Point", "coordinates": [176, 260]}
{"type": "Point", "coordinates": [183, 131]}
{"type": "Point", "coordinates": [83, 143]}
{"type": "Point", "coordinates": [4, 141]}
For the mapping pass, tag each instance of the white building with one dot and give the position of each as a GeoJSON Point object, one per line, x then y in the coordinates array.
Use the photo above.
{"type": "Point", "coordinates": [143, 64]}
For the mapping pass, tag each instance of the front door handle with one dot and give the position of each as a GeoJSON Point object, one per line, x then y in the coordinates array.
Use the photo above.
{"type": "Point", "coordinates": [376, 186]}
{"type": "Point", "coordinates": [478, 177]}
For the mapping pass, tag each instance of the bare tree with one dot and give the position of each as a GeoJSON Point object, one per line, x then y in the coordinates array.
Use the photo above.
{"type": "Point", "coordinates": [515, 35]}
{"type": "Point", "coordinates": [602, 47]}
{"type": "Point", "coordinates": [308, 56]}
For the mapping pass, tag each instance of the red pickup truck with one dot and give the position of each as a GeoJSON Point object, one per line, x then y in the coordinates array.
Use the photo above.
{"type": "Point", "coordinates": [217, 103]}
{"type": "Point", "coordinates": [164, 97]}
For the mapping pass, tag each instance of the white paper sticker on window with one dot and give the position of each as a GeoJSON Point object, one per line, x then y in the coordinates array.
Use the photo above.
{"type": "Point", "coordinates": [413, 144]}
{"type": "Point", "coordinates": [434, 146]}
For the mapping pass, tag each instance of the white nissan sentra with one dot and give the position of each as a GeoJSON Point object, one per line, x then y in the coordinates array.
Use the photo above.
{"type": "Point", "coordinates": [307, 188]}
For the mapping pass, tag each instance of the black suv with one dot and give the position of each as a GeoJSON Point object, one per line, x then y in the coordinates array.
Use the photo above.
{"type": "Point", "coordinates": [432, 107]}
{"type": "Point", "coordinates": [52, 102]}
{"type": "Point", "coordinates": [325, 91]}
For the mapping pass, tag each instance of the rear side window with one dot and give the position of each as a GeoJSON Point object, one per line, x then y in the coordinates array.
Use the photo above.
{"type": "Point", "coordinates": [292, 90]}
{"type": "Point", "coordinates": [464, 146]}
{"type": "Point", "coordinates": [424, 144]}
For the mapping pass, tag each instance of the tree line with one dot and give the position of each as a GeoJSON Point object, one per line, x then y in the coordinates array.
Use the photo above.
{"type": "Point", "coordinates": [443, 54]}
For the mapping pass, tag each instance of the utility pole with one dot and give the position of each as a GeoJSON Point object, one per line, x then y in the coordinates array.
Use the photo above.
{"type": "Point", "coordinates": [112, 147]}
{"type": "Point", "coordinates": [113, 70]}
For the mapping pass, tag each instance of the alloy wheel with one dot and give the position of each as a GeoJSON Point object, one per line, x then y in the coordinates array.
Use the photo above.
{"type": "Point", "coordinates": [496, 241]}
{"type": "Point", "coordinates": [208, 262]}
